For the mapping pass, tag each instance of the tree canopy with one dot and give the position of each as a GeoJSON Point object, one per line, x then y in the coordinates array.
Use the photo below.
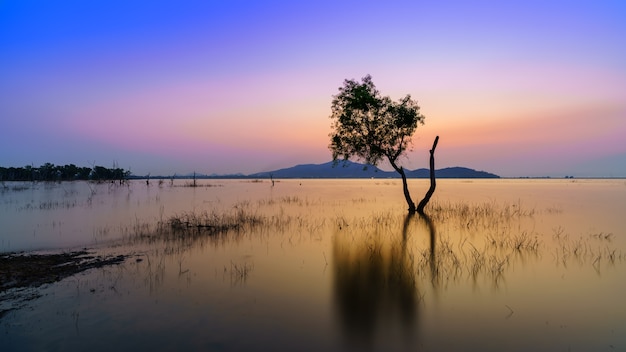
{"type": "Point", "coordinates": [372, 127]}
{"type": "Point", "coordinates": [51, 172]}
{"type": "Point", "coordinates": [369, 126]}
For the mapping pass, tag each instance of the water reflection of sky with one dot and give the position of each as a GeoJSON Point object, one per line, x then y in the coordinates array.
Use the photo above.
{"type": "Point", "coordinates": [345, 272]}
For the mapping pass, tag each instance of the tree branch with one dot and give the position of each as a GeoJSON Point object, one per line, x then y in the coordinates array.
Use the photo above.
{"type": "Point", "coordinates": [433, 184]}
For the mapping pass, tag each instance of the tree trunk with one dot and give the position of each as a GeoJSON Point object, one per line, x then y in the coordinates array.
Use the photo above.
{"type": "Point", "coordinates": [433, 184]}
{"type": "Point", "coordinates": [405, 187]}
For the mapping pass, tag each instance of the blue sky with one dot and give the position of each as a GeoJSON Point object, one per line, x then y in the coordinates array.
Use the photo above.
{"type": "Point", "coordinates": [518, 88]}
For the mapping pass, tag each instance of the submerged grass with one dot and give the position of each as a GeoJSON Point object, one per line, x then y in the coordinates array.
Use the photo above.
{"type": "Point", "coordinates": [218, 225]}
{"type": "Point", "coordinates": [469, 240]}
{"type": "Point", "coordinates": [482, 241]}
{"type": "Point", "coordinates": [385, 252]}
{"type": "Point", "coordinates": [214, 222]}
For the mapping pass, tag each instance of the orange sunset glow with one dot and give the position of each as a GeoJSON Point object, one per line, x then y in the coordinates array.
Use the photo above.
{"type": "Point", "coordinates": [517, 89]}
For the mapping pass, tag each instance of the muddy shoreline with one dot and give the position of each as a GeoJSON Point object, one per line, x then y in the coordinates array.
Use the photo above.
{"type": "Point", "coordinates": [22, 273]}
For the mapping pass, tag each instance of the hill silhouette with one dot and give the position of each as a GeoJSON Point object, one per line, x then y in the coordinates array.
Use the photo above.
{"type": "Point", "coordinates": [350, 169]}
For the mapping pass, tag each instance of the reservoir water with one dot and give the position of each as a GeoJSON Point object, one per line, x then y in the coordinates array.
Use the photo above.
{"type": "Point", "coordinates": [332, 265]}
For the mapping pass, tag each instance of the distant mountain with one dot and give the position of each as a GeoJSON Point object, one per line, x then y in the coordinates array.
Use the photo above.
{"type": "Point", "coordinates": [451, 172]}
{"type": "Point", "coordinates": [349, 169]}
{"type": "Point", "coordinates": [341, 169]}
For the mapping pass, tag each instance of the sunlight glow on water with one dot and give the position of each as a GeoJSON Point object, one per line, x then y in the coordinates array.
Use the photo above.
{"type": "Point", "coordinates": [337, 265]}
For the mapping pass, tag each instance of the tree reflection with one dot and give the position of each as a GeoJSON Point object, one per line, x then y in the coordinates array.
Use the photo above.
{"type": "Point", "coordinates": [432, 260]}
{"type": "Point", "coordinates": [375, 287]}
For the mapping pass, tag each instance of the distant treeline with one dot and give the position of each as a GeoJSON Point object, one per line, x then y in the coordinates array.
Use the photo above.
{"type": "Point", "coordinates": [51, 172]}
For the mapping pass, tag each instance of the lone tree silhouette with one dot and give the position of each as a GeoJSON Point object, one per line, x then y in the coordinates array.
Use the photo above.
{"type": "Point", "coordinates": [372, 128]}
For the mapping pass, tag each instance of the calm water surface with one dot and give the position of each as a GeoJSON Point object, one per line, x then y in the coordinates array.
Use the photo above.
{"type": "Point", "coordinates": [498, 265]}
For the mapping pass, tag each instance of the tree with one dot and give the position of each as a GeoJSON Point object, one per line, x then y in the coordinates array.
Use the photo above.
{"type": "Point", "coordinates": [372, 128]}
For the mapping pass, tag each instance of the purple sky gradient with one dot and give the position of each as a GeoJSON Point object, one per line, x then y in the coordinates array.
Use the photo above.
{"type": "Point", "coordinates": [518, 88]}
